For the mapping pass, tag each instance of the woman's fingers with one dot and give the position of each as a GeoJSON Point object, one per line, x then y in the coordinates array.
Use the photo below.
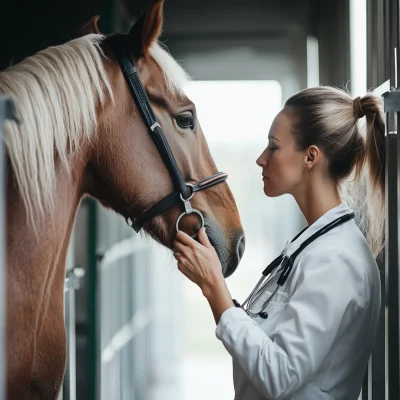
{"type": "Point", "coordinates": [189, 241]}
{"type": "Point", "coordinates": [179, 246]}
{"type": "Point", "coordinates": [185, 239]}
{"type": "Point", "coordinates": [177, 254]}
{"type": "Point", "coordinates": [203, 238]}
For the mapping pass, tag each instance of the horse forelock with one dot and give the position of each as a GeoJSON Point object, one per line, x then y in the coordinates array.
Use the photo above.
{"type": "Point", "coordinates": [175, 76]}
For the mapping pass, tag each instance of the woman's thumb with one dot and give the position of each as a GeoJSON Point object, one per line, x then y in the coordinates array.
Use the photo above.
{"type": "Point", "coordinates": [203, 238]}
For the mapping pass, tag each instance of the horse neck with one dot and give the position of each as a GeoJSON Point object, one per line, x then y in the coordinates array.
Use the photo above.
{"type": "Point", "coordinates": [37, 254]}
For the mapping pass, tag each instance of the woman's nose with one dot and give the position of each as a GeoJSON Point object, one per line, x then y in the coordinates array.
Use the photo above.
{"type": "Point", "coordinates": [262, 160]}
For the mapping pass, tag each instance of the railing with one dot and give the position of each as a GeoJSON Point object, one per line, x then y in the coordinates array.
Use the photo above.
{"type": "Point", "coordinates": [72, 283]}
{"type": "Point", "coordinates": [6, 112]}
{"type": "Point", "coordinates": [129, 343]}
{"type": "Point", "coordinates": [124, 320]}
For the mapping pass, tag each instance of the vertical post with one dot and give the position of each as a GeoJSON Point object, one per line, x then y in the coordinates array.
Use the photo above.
{"type": "Point", "coordinates": [6, 112]}
{"type": "Point", "coordinates": [392, 350]}
{"type": "Point", "coordinates": [391, 261]}
{"type": "Point", "coordinates": [72, 283]}
{"type": "Point", "coordinates": [383, 49]}
{"type": "Point", "coordinates": [93, 312]}
{"type": "Point", "coordinates": [392, 108]}
{"type": "Point", "coordinates": [394, 387]}
{"type": "Point", "coordinates": [2, 264]}
{"type": "Point", "coordinates": [94, 277]}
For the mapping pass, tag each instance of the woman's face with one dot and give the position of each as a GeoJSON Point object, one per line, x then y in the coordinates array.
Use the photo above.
{"type": "Point", "coordinates": [283, 166]}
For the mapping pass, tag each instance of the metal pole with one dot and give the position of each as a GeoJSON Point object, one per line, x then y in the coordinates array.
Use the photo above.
{"type": "Point", "coordinates": [392, 108]}
{"type": "Point", "coordinates": [2, 264]}
{"type": "Point", "coordinates": [392, 263]}
{"type": "Point", "coordinates": [72, 283]}
{"type": "Point", "coordinates": [6, 112]}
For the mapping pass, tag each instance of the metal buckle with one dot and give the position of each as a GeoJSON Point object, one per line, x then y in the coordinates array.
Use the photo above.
{"type": "Point", "coordinates": [189, 185]}
{"type": "Point", "coordinates": [189, 210]}
{"type": "Point", "coordinates": [154, 126]}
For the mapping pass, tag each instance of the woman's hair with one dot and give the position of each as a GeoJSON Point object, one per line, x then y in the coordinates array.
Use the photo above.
{"type": "Point", "coordinates": [330, 119]}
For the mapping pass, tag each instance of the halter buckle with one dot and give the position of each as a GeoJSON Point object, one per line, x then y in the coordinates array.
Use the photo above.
{"type": "Point", "coordinates": [191, 187]}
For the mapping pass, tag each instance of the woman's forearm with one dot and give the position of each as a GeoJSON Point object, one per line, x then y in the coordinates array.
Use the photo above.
{"type": "Point", "coordinates": [218, 297]}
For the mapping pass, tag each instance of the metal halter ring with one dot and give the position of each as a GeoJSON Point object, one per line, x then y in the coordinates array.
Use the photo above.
{"type": "Point", "coordinates": [189, 185]}
{"type": "Point", "coordinates": [189, 209]}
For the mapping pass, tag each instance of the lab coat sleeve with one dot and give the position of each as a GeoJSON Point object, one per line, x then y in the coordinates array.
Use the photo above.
{"type": "Point", "coordinates": [328, 294]}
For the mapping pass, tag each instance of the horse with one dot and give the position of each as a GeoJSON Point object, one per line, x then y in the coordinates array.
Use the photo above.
{"type": "Point", "coordinates": [82, 134]}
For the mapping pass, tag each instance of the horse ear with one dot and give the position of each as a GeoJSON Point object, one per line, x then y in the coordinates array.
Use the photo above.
{"type": "Point", "coordinates": [90, 26]}
{"type": "Point", "coordinates": [147, 29]}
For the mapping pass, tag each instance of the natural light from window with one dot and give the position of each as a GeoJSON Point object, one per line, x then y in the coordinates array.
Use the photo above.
{"type": "Point", "coordinates": [235, 117]}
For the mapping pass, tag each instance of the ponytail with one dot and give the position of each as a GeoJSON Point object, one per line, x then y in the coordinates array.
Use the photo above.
{"type": "Point", "coordinates": [374, 167]}
{"type": "Point", "coordinates": [330, 119]}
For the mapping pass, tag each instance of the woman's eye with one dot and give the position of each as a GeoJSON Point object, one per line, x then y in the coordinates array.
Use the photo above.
{"type": "Point", "coordinates": [272, 149]}
{"type": "Point", "coordinates": [185, 121]}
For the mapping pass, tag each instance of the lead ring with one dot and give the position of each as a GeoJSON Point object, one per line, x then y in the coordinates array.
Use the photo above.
{"type": "Point", "coordinates": [194, 211]}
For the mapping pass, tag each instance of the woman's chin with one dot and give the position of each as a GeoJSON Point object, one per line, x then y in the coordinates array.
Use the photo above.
{"type": "Point", "coordinates": [268, 194]}
{"type": "Point", "coordinates": [270, 191]}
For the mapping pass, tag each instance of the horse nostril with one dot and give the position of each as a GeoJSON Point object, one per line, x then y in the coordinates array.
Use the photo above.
{"type": "Point", "coordinates": [240, 247]}
{"type": "Point", "coordinates": [235, 257]}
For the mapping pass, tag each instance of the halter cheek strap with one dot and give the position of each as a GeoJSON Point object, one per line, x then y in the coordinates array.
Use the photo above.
{"type": "Point", "coordinates": [182, 193]}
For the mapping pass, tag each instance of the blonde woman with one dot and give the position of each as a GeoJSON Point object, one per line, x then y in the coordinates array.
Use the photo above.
{"type": "Point", "coordinates": [308, 335]}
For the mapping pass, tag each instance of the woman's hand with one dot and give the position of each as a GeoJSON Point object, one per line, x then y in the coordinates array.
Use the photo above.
{"type": "Point", "coordinates": [200, 263]}
{"type": "Point", "coordinates": [198, 260]}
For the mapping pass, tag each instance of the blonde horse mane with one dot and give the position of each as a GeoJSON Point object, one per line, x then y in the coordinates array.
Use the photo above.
{"type": "Point", "coordinates": [56, 93]}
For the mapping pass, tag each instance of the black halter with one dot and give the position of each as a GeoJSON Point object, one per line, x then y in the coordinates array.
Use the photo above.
{"type": "Point", "coordinates": [184, 192]}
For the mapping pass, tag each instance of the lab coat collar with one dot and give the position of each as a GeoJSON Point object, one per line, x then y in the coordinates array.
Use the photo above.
{"type": "Point", "coordinates": [325, 219]}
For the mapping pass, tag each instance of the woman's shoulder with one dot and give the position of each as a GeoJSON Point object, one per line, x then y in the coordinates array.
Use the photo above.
{"type": "Point", "coordinates": [346, 242]}
{"type": "Point", "coordinates": [327, 254]}
{"type": "Point", "coordinates": [340, 259]}
{"type": "Point", "coordinates": [346, 248]}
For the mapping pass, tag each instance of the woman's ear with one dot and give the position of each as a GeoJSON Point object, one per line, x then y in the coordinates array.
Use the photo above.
{"type": "Point", "coordinates": [312, 156]}
{"type": "Point", "coordinates": [146, 30]}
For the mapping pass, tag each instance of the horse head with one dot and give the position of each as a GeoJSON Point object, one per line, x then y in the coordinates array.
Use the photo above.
{"type": "Point", "coordinates": [126, 171]}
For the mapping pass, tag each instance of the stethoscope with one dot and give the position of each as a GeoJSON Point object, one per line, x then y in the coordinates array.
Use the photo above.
{"type": "Point", "coordinates": [284, 263]}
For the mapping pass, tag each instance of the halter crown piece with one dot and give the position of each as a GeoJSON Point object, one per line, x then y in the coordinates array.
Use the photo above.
{"type": "Point", "coordinates": [358, 110]}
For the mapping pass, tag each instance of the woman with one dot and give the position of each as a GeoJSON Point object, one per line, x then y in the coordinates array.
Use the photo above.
{"type": "Point", "coordinates": [314, 338]}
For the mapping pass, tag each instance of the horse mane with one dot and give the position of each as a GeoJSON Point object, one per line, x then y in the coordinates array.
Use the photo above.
{"type": "Point", "coordinates": [56, 93]}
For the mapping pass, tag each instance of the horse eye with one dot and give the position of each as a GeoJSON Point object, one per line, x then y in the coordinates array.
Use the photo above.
{"type": "Point", "coordinates": [185, 121]}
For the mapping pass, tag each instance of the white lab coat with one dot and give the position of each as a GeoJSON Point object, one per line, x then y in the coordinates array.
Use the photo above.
{"type": "Point", "coordinates": [316, 342]}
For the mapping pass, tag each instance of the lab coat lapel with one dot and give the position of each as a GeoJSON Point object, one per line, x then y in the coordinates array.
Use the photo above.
{"type": "Point", "coordinates": [327, 218]}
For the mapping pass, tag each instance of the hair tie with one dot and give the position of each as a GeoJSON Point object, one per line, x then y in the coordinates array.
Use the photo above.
{"type": "Point", "coordinates": [358, 110]}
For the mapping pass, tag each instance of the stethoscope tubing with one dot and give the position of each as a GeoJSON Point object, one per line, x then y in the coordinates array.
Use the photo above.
{"type": "Point", "coordinates": [286, 262]}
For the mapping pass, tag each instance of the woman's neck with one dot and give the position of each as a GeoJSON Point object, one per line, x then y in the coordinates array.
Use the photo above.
{"type": "Point", "coordinates": [317, 199]}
